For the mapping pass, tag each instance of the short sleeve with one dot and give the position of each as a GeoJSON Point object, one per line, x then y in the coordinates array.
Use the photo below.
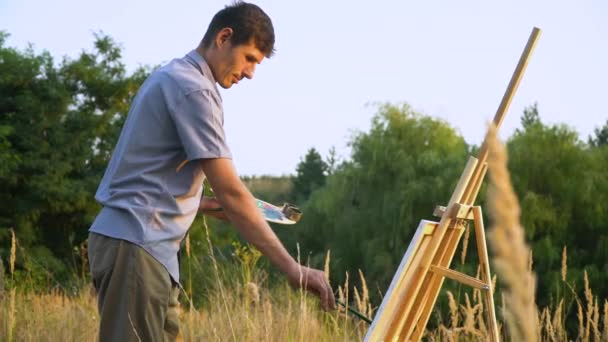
{"type": "Point", "coordinates": [200, 125]}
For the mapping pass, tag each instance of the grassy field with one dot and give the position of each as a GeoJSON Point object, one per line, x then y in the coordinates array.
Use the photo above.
{"type": "Point", "coordinates": [236, 310]}
{"type": "Point", "coordinates": [248, 312]}
{"type": "Point", "coordinates": [243, 304]}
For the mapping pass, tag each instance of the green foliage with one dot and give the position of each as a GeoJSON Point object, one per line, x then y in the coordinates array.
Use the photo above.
{"type": "Point", "coordinates": [562, 185]}
{"type": "Point", "coordinates": [58, 126]}
{"type": "Point", "coordinates": [530, 117]}
{"type": "Point", "coordinates": [408, 163]}
{"type": "Point", "coordinates": [247, 256]}
{"type": "Point", "coordinates": [368, 210]}
{"type": "Point", "coordinates": [272, 189]}
{"type": "Point", "coordinates": [310, 175]}
{"type": "Point", "coordinates": [332, 161]}
{"type": "Point", "coordinates": [601, 136]}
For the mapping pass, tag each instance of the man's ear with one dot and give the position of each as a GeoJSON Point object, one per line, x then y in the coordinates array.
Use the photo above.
{"type": "Point", "coordinates": [223, 36]}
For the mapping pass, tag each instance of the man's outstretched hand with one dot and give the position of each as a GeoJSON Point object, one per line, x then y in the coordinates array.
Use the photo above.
{"type": "Point", "coordinates": [314, 281]}
{"type": "Point", "coordinates": [212, 207]}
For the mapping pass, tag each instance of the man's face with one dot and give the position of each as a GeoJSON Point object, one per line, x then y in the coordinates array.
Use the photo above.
{"type": "Point", "coordinates": [237, 62]}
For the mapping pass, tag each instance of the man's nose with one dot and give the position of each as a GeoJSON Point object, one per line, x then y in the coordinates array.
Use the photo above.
{"type": "Point", "coordinates": [248, 72]}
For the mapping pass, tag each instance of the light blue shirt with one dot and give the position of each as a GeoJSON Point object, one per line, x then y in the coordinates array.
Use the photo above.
{"type": "Point", "coordinates": [151, 189]}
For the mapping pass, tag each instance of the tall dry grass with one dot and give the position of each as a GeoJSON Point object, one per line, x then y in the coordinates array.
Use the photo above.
{"type": "Point", "coordinates": [237, 310]}
{"type": "Point", "coordinates": [511, 254]}
{"type": "Point", "coordinates": [262, 311]}
{"type": "Point", "coordinates": [11, 311]}
{"type": "Point", "coordinates": [50, 317]}
{"type": "Point", "coordinates": [280, 313]}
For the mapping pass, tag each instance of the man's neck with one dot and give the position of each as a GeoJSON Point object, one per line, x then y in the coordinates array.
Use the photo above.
{"type": "Point", "coordinates": [208, 56]}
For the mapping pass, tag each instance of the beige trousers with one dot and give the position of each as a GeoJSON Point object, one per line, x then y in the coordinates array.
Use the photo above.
{"type": "Point", "coordinates": [136, 297]}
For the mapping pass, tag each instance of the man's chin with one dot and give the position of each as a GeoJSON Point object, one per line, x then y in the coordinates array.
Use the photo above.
{"type": "Point", "coordinates": [226, 86]}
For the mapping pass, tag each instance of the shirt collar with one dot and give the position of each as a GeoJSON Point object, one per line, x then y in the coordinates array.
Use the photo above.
{"type": "Point", "coordinates": [203, 67]}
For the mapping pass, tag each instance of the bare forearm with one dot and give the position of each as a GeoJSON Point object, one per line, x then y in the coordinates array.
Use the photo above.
{"type": "Point", "coordinates": [240, 208]}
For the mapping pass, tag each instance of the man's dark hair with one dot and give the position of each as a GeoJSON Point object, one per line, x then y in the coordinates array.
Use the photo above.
{"type": "Point", "coordinates": [248, 23]}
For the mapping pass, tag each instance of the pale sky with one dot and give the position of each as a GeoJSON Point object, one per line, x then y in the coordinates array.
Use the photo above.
{"type": "Point", "coordinates": [449, 59]}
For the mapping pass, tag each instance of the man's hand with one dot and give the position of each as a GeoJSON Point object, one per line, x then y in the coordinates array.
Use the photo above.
{"type": "Point", "coordinates": [210, 206]}
{"type": "Point", "coordinates": [314, 281]}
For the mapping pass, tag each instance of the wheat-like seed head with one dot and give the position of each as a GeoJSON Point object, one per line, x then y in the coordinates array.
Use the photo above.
{"type": "Point", "coordinates": [581, 320]}
{"type": "Point", "coordinates": [589, 313]}
{"type": "Point", "coordinates": [13, 252]}
{"type": "Point", "coordinates": [564, 263]}
{"type": "Point", "coordinates": [546, 323]}
{"type": "Point", "coordinates": [465, 244]}
{"type": "Point", "coordinates": [469, 315]}
{"type": "Point", "coordinates": [605, 321]}
{"type": "Point", "coordinates": [454, 314]}
{"type": "Point", "coordinates": [596, 321]}
{"type": "Point", "coordinates": [558, 319]}
{"type": "Point", "coordinates": [512, 256]}
{"type": "Point", "coordinates": [367, 306]}
{"type": "Point", "coordinates": [358, 300]}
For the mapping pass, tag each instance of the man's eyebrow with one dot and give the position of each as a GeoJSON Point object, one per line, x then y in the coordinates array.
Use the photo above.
{"type": "Point", "coordinates": [252, 58]}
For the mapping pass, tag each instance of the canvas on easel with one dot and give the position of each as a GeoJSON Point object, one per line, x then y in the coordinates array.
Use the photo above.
{"type": "Point", "coordinates": [408, 303]}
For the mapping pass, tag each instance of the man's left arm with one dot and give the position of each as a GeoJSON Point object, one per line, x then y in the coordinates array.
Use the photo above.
{"type": "Point", "coordinates": [211, 207]}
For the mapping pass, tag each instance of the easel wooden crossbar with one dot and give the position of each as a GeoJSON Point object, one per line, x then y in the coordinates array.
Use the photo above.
{"type": "Point", "coordinates": [409, 301]}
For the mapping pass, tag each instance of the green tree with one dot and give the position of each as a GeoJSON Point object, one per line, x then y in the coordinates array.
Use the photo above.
{"type": "Point", "coordinates": [530, 117]}
{"type": "Point", "coordinates": [332, 161]}
{"type": "Point", "coordinates": [601, 136]}
{"type": "Point", "coordinates": [563, 190]}
{"type": "Point", "coordinates": [369, 208]}
{"type": "Point", "coordinates": [310, 175]}
{"type": "Point", "coordinates": [58, 125]}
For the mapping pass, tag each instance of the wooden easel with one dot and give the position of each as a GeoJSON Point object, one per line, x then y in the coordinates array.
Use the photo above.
{"type": "Point", "coordinates": [409, 301]}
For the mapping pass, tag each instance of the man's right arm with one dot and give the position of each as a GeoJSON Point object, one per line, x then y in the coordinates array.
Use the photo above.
{"type": "Point", "coordinates": [239, 206]}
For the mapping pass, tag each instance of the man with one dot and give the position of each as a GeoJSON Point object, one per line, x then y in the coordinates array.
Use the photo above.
{"type": "Point", "coordinates": [152, 189]}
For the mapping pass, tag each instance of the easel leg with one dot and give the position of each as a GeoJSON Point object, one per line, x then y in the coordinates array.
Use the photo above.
{"type": "Point", "coordinates": [482, 251]}
{"type": "Point", "coordinates": [443, 258]}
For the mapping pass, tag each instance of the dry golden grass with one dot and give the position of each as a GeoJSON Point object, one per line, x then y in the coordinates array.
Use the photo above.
{"type": "Point", "coordinates": [51, 317]}
{"type": "Point", "coordinates": [466, 321]}
{"type": "Point", "coordinates": [11, 311]}
{"type": "Point", "coordinates": [510, 251]}
{"type": "Point", "coordinates": [280, 313]}
{"type": "Point", "coordinates": [239, 311]}
{"type": "Point", "coordinates": [249, 310]}
{"type": "Point", "coordinates": [277, 315]}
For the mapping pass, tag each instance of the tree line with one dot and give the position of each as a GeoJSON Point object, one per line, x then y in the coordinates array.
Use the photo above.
{"type": "Point", "coordinates": [369, 208]}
